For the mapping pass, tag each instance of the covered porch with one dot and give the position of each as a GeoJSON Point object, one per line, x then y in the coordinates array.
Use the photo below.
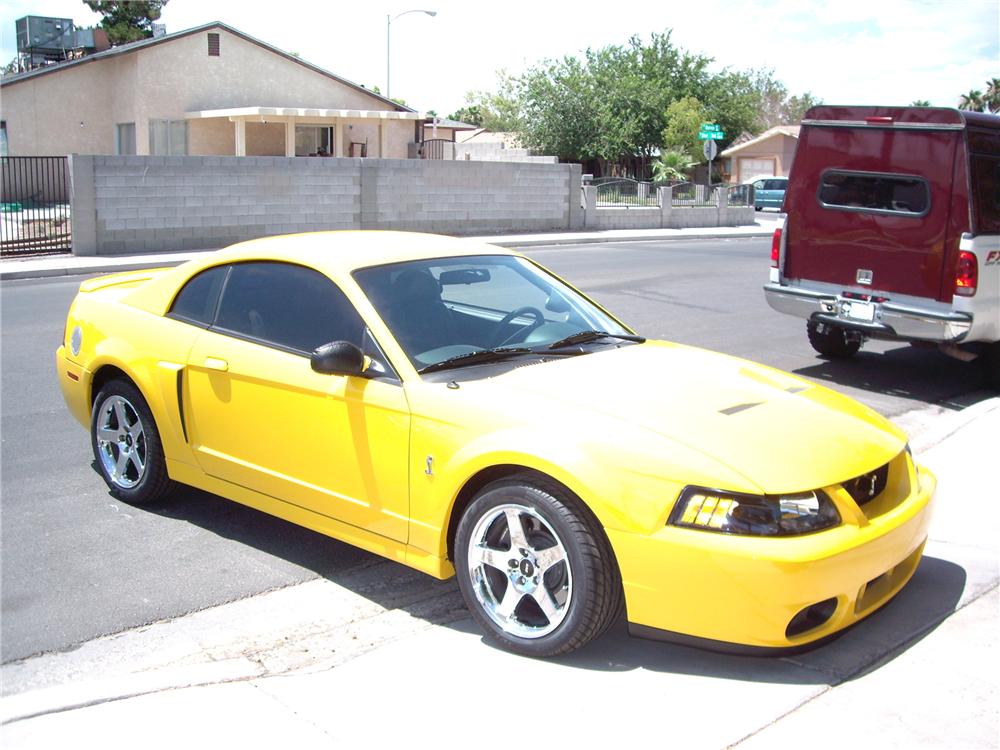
{"type": "Point", "coordinates": [307, 132]}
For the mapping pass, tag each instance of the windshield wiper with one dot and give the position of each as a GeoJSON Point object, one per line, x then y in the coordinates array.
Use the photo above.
{"type": "Point", "coordinates": [585, 337]}
{"type": "Point", "coordinates": [477, 357]}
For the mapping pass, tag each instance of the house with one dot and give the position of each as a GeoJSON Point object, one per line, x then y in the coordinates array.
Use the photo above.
{"type": "Point", "coordinates": [210, 90]}
{"type": "Point", "coordinates": [768, 155]}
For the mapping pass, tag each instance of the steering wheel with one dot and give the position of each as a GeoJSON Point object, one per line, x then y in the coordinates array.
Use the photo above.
{"type": "Point", "coordinates": [534, 312]}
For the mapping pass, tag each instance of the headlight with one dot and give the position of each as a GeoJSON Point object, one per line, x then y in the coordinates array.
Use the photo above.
{"type": "Point", "coordinates": [757, 515]}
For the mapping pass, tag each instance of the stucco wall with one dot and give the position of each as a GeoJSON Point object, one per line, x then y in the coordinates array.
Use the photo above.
{"type": "Point", "coordinates": [779, 147]}
{"type": "Point", "coordinates": [74, 109]}
{"type": "Point", "coordinates": [140, 204]}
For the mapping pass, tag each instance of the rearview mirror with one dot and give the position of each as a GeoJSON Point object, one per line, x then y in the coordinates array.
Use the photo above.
{"type": "Point", "coordinates": [464, 276]}
{"type": "Point", "coordinates": [338, 358]}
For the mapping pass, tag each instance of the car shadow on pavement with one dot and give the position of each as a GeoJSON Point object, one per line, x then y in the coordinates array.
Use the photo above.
{"type": "Point", "coordinates": [931, 595]}
{"type": "Point", "coordinates": [928, 375]}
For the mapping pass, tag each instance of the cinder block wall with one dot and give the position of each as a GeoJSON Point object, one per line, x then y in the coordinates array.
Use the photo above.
{"type": "Point", "coordinates": [134, 204]}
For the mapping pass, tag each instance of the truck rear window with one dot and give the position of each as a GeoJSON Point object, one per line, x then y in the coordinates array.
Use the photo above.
{"type": "Point", "coordinates": [874, 193]}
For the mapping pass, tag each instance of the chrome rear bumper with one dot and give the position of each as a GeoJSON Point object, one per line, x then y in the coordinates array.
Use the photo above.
{"type": "Point", "coordinates": [891, 320]}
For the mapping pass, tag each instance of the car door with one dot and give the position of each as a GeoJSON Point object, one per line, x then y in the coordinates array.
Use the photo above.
{"type": "Point", "coordinates": [261, 418]}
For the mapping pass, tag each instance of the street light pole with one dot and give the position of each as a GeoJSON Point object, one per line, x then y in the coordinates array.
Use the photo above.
{"type": "Point", "coordinates": [388, 27]}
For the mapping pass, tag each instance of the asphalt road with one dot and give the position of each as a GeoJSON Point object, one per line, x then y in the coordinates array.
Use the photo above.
{"type": "Point", "coordinates": [77, 564]}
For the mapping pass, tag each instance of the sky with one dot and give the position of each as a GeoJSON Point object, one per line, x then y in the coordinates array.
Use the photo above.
{"type": "Point", "coordinates": [842, 51]}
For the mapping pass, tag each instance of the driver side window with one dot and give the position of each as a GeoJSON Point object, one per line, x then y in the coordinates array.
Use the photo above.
{"type": "Point", "coordinates": [287, 306]}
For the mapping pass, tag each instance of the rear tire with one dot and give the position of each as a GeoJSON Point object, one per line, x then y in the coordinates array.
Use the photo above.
{"type": "Point", "coordinates": [126, 443]}
{"type": "Point", "coordinates": [550, 587]}
{"type": "Point", "coordinates": [831, 341]}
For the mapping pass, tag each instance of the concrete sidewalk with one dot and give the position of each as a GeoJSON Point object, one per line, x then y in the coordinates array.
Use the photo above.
{"type": "Point", "coordinates": [385, 655]}
{"type": "Point", "coordinates": [74, 265]}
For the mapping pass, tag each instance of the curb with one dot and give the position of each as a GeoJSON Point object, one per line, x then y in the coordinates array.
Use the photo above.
{"type": "Point", "coordinates": [10, 274]}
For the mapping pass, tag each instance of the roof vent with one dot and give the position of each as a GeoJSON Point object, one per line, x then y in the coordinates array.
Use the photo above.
{"type": "Point", "coordinates": [213, 45]}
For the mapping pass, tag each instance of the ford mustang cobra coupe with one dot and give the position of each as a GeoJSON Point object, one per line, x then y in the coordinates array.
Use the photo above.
{"type": "Point", "coordinates": [457, 408]}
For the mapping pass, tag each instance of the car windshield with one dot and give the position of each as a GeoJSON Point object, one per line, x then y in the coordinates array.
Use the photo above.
{"type": "Point", "coordinates": [446, 308]}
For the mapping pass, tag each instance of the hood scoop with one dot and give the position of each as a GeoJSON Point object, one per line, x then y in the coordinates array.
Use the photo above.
{"type": "Point", "coordinates": [730, 410]}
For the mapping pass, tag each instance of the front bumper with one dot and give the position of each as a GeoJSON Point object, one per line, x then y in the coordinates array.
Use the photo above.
{"type": "Point", "coordinates": [747, 590]}
{"type": "Point", "coordinates": [890, 320]}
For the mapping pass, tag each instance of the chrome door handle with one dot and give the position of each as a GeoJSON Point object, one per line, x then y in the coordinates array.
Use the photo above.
{"type": "Point", "coordinates": [214, 363]}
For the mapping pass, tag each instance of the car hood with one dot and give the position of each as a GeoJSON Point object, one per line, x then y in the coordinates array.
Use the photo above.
{"type": "Point", "coordinates": [783, 433]}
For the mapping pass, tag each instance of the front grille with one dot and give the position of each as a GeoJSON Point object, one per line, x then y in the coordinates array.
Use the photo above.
{"type": "Point", "coordinates": [867, 487]}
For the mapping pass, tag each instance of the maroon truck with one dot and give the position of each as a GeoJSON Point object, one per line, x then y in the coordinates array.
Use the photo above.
{"type": "Point", "coordinates": [893, 231]}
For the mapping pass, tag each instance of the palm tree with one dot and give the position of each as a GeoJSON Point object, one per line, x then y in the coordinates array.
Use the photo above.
{"type": "Point", "coordinates": [672, 166]}
{"type": "Point", "coordinates": [920, 103]}
{"type": "Point", "coordinates": [973, 101]}
{"type": "Point", "coordinates": [992, 97]}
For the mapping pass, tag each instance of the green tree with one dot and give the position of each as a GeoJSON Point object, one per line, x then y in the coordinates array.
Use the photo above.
{"type": "Point", "coordinates": [470, 114]}
{"type": "Point", "coordinates": [920, 103]}
{"type": "Point", "coordinates": [127, 20]}
{"type": "Point", "coordinates": [992, 96]}
{"type": "Point", "coordinates": [973, 101]}
{"type": "Point", "coordinates": [499, 111]}
{"type": "Point", "coordinates": [797, 106]}
{"type": "Point", "coordinates": [684, 118]}
{"type": "Point", "coordinates": [673, 165]}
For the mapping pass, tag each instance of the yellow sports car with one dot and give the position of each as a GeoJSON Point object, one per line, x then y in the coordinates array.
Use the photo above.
{"type": "Point", "coordinates": [455, 407]}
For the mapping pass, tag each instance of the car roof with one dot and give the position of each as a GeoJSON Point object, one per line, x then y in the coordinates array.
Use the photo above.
{"type": "Point", "coordinates": [336, 254]}
{"type": "Point", "coordinates": [341, 252]}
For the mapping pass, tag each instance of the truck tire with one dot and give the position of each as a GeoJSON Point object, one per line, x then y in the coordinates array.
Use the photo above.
{"type": "Point", "coordinates": [991, 364]}
{"type": "Point", "coordinates": [831, 341]}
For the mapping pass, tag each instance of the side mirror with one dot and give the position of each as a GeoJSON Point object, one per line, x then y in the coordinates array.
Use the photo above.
{"type": "Point", "coordinates": [338, 358]}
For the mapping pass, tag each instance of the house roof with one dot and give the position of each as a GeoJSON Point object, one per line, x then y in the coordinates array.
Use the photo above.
{"type": "Point", "coordinates": [262, 113]}
{"type": "Point", "coordinates": [792, 131]}
{"type": "Point", "coordinates": [453, 124]}
{"type": "Point", "coordinates": [126, 49]}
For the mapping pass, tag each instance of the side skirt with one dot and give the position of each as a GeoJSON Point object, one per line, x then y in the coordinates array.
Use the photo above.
{"type": "Point", "coordinates": [398, 551]}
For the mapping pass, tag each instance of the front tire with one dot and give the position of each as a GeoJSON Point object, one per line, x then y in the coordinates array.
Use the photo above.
{"type": "Point", "coordinates": [536, 570]}
{"type": "Point", "coordinates": [127, 446]}
{"type": "Point", "coordinates": [831, 341]}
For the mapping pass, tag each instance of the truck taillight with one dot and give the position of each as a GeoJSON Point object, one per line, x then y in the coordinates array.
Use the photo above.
{"type": "Point", "coordinates": [966, 274]}
{"type": "Point", "coordinates": [775, 248]}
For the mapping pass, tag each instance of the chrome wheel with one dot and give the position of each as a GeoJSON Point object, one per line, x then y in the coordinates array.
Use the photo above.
{"type": "Point", "coordinates": [121, 442]}
{"type": "Point", "coordinates": [519, 570]}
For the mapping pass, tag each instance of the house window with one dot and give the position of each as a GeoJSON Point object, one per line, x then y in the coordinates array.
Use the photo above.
{"type": "Point", "coordinates": [168, 137]}
{"type": "Point", "coordinates": [3, 138]}
{"type": "Point", "coordinates": [310, 141]}
{"type": "Point", "coordinates": [213, 45]}
{"type": "Point", "coordinates": [125, 138]}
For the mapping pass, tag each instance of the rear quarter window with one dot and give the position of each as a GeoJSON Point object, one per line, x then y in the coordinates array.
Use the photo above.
{"type": "Point", "coordinates": [867, 192]}
{"type": "Point", "coordinates": [198, 298]}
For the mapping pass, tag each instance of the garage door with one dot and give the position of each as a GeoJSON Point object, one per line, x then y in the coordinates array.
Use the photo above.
{"type": "Point", "coordinates": [754, 169]}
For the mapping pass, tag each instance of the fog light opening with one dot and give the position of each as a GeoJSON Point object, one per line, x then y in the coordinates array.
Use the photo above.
{"type": "Point", "coordinates": [811, 617]}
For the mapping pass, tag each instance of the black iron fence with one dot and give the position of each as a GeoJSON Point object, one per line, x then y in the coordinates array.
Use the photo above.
{"type": "Point", "coordinates": [624, 191]}
{"type": "Point", "coordinates": [34, 205]}
{"type": "Point", "coordinates": [739, 195]}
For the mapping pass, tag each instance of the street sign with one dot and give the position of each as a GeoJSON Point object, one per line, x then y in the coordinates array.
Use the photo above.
{"type": "Point", "coordinates": [717, 135]}
{"type": "Point", "coordinates": [710, 149]}
{"type": "Point", "coordinates": [710, 127]}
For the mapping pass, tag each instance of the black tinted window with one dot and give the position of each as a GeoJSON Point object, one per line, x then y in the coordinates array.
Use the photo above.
{"type": "Point", "coordinates": [290, 306]}
{"type": "Point", "coordinates": [898, 194]}
{"type": "Point", "coordinates": [198, 298]}
{"type": "Point", "coordinates": [986, 193]}
{"type": "Point", "coordinates": [775, 185]}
